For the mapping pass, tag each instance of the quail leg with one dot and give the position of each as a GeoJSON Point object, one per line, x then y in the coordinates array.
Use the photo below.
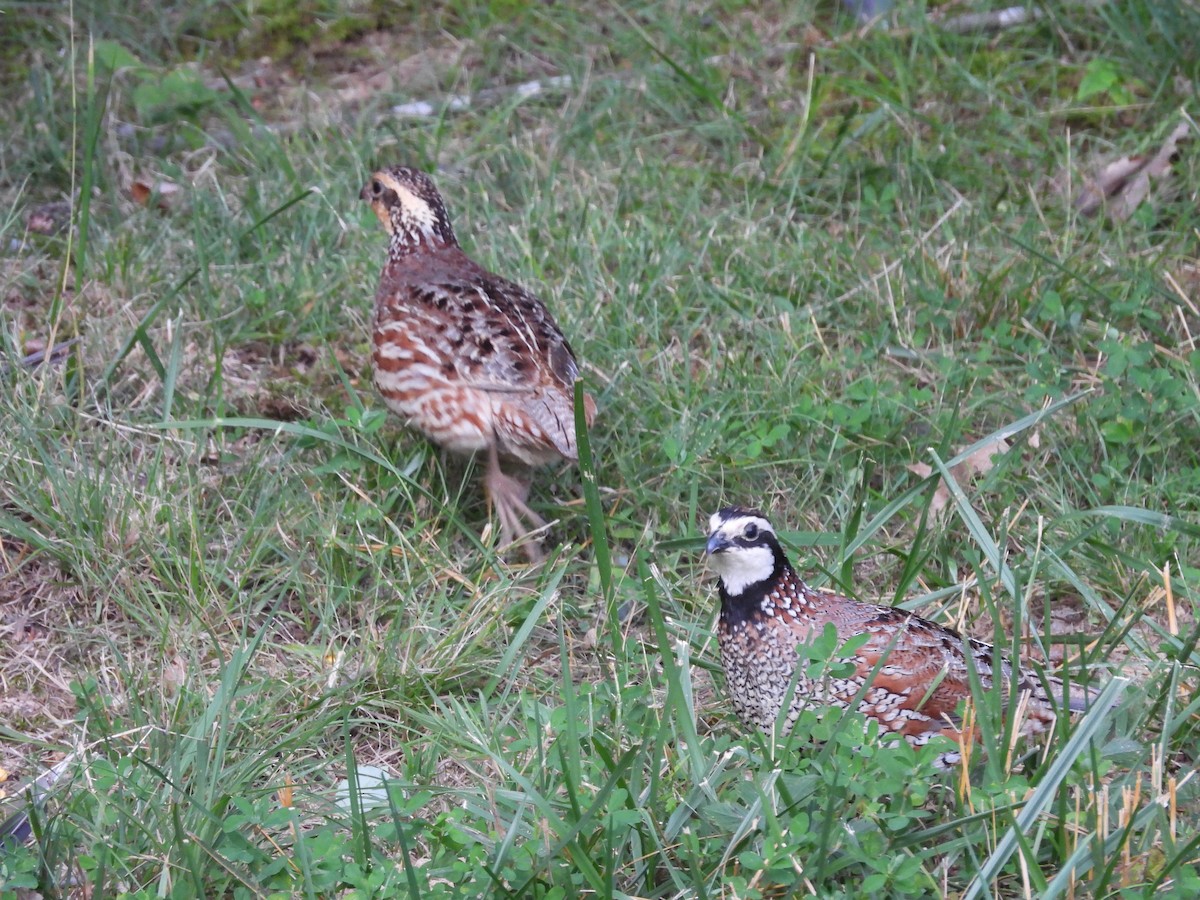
{"type": "Point", "coordinates": [508, 495]}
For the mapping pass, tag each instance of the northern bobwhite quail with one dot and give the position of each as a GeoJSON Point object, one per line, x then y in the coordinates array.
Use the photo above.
{"type": "Point", "coordinates": [767, 610]}
{"type": "Point", "coordinates": [471, 360]}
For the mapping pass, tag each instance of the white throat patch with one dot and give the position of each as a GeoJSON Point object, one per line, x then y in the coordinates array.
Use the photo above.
{"type": "Point", "coordinates": [741, 567]}
{"type": "Point", "coordinates": [738, 566]}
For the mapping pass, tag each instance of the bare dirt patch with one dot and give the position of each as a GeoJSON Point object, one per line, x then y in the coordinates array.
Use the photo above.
{"type": "Point", "coordinates": [260, 378]}
{"type": "Point", "coordinates": [35, 692]}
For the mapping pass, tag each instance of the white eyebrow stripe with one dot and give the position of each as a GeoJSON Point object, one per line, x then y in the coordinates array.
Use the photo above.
{"type": "Point", "coordinates": [736, 526]}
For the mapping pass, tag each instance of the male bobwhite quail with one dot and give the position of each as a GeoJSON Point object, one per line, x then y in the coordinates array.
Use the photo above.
{"type": "Point", "coordinates": [767, 610]}
{"type": "Point", "coordinates": [470, 359]}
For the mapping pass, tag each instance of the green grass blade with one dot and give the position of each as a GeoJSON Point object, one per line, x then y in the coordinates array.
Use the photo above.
{"type": "Point", "coordinates": [1136, 516]}
{"type": "Point", "coordinates": [1086, 730]}
{"type": "Point", "coordinates": [140, 336]}
{"type": "Point", "coordinates": [979, 533]}
{"type": "Point", "coordinates": [596, 520]}
{"type": "Point", "coordinates": [507, 668]}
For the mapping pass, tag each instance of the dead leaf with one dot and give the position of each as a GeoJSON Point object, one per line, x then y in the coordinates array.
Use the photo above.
{"type": "Point", "coordinates": [1120, 186]}
{"type": "Point", "coordinates": [49, 218]}
{"type": "Point", "coordinates": [941, 494]}
{"type": "Point", "coordinates": [978, 463]}
{"type": "Point", "coordinates": [285, 794]}
{"type": "Point", "coordinates": [174, 674]}
{"type": "Point", "coordinates": [167, 192]}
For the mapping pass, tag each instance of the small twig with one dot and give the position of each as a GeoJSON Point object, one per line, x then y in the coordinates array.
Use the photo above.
{"type": "Point", "coordinates": [997, 20]}
{"type": "Point", "coordinates": [55, 354]}
{"type": "Point", "coordinates": [17, 829]}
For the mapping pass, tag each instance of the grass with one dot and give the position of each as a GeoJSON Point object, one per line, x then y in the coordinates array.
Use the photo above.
{"type": "Point", "coordinates": [234, 589]}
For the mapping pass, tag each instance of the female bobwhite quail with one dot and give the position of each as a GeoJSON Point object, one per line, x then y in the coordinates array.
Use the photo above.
{"type": "Point", "coordinates": [767, 610]}
{"type": "Point", "coordinates": [470, 359]}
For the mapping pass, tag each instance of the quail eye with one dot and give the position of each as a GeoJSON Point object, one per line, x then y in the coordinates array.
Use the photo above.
{"type": "Point", "coordinates": [376, 187]}
{"type": "Point", "coordinates": [751, 531]}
